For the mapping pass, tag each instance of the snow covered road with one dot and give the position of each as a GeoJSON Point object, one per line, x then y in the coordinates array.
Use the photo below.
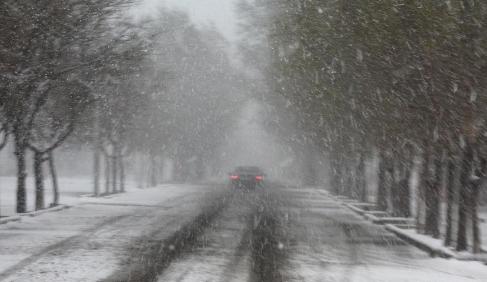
{"type": "Point", "coordinates": [330, 243]}
{"type": "Point", "coordinates": [204, 233]}
{"type": "Point", "coordinates": [221, 253]}
{"type": "Point", "coordinates": [91, 241]}
{"type": "Point", "coordinates": [296, 234]}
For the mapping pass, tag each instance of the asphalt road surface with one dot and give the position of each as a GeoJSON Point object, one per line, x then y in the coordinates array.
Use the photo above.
{"type": "Point", "coordinates": [285, 234]}
{"type": "Point", "coordinates": [278, 233]}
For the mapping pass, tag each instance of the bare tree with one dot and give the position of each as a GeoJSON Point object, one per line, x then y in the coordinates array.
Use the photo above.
{"type": "Point", "coordinates": [52, 125]}
{"type": "Point", "coordinates": [41, 42]}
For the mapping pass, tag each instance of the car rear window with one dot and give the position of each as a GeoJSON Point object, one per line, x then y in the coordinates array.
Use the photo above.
{"type": "Point", "coordinates": [249, 170]}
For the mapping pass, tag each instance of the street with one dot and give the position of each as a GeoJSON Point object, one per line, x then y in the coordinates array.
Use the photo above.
{"type": "Point", "coordinates": [277, 233]}
{"type": "Point", "coordinates": [292, 234]}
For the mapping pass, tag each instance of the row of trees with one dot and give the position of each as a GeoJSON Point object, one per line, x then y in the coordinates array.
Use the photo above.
{"type": "Point", "coordinates": [88, 72]}
{"type": "Point", "coordinates": [46, 50]}
{"type": "Point", "coordinates": [395, 80]}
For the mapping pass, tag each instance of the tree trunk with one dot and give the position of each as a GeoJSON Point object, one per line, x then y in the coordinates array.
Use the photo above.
{"type": "Point", "coordinates": [55, 186]}
{"type": "Point", "coordinates": [381, 188]}
{"type": "Point", "coordinates": [153, 170]}
{"type": "Point", "coordinates": [96, 171]}
{"type": "Point", "coordinates": [96, 152]}
{"type": "Point", "coordinates": [361, 181]}
{"type": "Point", "coordinates": [424, 183]}
{"type": "Point", "coordinates": [340, 179]}
{"type": "Point", "coordinates": [396, 173]}
{"type": "Point", "coordinates": [114, 173]}
{"type": "Point", "coordinates": [348, 187]}
{"type": "Point", "coordinates": [476, 241]}
{"type": "Point", "coordinates": [404, 189]}
{"type": "Point", "coordinates": [433, 194]}
{"type": "Point", "coordinates": [39, 181]}
{"type": "Point", "coordinates": [450, 195]}
{"type": "Point", "coordinates": [481, 173]}
{"type": "Point", "coordinates": [20, 150]}
{"type": "Point", "coordinates": [336, 176]}
{"type": "Point", "coordinates": [122, 174]}
{"type": "Point", "coordinates": [139, 170]}
{"type": "Point", "coordinates": [463, 200]}
{"type": "Point", "coordinates": [107, 174]}
{"type": "Point", "coordinates": [161, 170]}
{"type": "Point", "coordinates": [390, 175]}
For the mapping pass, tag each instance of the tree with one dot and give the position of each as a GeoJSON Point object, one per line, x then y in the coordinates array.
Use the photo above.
{"type": "Point", "coordinates": [41, 43]}
{"type": "Point", "coordinates": [52, 125]}
{"type": "Point", "coordinates": [357, 74]}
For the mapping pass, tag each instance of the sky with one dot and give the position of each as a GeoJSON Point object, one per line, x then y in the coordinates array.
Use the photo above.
{"type": "Point", "coordinates": [220, 12]}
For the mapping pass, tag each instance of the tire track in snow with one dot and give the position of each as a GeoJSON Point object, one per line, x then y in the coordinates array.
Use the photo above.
{"type": "Point", "coordinates": [154, 255]}
{"type": "Point", "coordinates": [269, 242]}
{"type": "Point", "coordinates": [241, 255]}
{"type": "Point", "coordinates": [222, 252]}
{"type": "Point", "coordinates": [92, 239]}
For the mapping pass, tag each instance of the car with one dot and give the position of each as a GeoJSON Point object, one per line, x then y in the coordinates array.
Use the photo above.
{"type": "Point", "coordinates": [247, 177]}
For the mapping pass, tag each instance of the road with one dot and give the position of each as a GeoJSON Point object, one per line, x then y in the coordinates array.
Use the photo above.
{"type": "Point", "coordinates": [280, 233]}
{"type": "Point", "coordinates": [287, 234]}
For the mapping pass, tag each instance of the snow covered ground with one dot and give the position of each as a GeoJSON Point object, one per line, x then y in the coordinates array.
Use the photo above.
{"type": "Point", "coordinates": [331, 243]}
{"type": "Point", "coordinates": [88, 241]}
{"type": "Point", "coordinates": [70, 191]}
{"type": "Point", "coordinates": [438, 244]}
{"type": "Point", "coordinates": [277, 234]}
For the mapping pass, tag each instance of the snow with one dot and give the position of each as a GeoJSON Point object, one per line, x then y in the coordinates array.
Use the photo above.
{"type": "Point", "coordinates": [222, 253]}
{"type": "Point", "coordinates": [88, 241]}
{"type": "Point", "coordinates": [70, 191]}
{"type": "Point", "coordinates": [437, 244]}
{"type": "Point", "coordinates": [432, 243]}
{"type": "Point", "coordinates": [430, 270]}
{"type": "Point", "coordinates": [9, 219]}
{"type": "Point", "coordinates": [335, 244]}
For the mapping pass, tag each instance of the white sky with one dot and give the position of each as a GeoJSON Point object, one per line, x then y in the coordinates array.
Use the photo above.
{"type": "Point", "coordinates": [220, 12]}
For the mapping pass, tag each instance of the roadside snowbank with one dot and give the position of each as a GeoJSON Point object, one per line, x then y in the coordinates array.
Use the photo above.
{"type": "Point", "coordinates": [338, 244]}
{"type": "Point", "coordinates": [405, 229]}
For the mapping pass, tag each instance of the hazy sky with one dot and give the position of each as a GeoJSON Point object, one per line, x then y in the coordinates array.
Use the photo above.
{"type": "Point", "coordinates": [251, 144]}
{"type": "Point", "coordinates": [220, 12]}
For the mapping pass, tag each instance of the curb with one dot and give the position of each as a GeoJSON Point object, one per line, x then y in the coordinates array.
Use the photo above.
{"type": "Point", "coordinates": [433, 251]}
{"type": "Point", "coordinates": [355, 209]}
{"type": "Point", "coordinates": [374, 216]}
{"type": "Point", "coordinates": [473, 257]}
{"type": "Point", "coordinates": [388, 223]}
{"type": "Point", "coordinates": [393, 225]}
{"type": "Point", "coordinates": [39, 212]}
{"type": "Point", "coordinates": [19, 216]}
{"type": "Point", "coordinates": [9, 219]}
{"type": "Point", "coordinates": [388, 220]}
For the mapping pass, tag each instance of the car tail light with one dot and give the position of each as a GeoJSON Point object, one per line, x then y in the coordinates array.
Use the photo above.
{"type": "Point", "coordinates": [259, 178]}
{"type": "Point", "coordinates": [234, 177]}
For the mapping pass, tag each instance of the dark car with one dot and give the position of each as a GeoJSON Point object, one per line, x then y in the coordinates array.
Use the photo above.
{"type": "Point", "coordinates": [247, 177]}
